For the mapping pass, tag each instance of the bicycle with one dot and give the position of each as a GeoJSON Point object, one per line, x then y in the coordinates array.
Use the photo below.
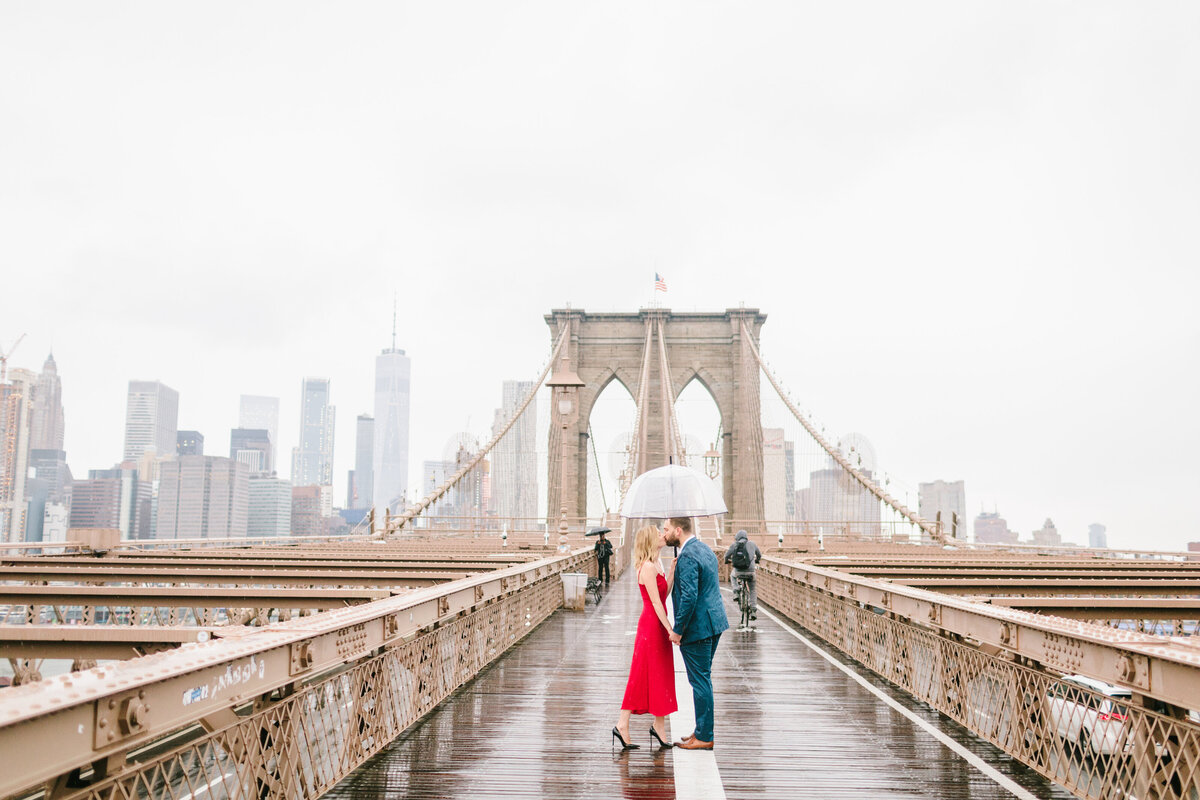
{"type": "Point", "coordinates": [742, 598]}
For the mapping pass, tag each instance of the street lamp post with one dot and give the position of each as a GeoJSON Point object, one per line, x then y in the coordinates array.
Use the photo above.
{"type": "Point", "coordinates": [565, 384]}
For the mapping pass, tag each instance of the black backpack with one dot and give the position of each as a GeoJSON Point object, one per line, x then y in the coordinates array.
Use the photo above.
{"type": "Point", "coordinates": [741, 556]}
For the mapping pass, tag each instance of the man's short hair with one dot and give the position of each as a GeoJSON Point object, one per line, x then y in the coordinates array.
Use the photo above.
{"type": "Point", "coordinates": [683, 523]}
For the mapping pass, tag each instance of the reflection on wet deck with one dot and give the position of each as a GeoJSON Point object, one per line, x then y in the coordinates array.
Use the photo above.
{"type": "Point", "coordinates": [789, 725]}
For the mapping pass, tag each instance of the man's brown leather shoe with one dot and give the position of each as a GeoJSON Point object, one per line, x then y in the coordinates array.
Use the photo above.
{"type": "Point", "coordinates": [695, 744]}
{"type": "Point", "coordinates": [687, 738]}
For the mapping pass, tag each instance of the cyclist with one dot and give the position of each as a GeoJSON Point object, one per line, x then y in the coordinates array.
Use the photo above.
{"type": "Point", "coordinates": [743, 555]}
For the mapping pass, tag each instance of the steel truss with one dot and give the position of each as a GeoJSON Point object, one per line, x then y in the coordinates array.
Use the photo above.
{"type": "Point", "coordinates": [1000, 672]}
{"type": "Point", "coordinates": [284, 710]}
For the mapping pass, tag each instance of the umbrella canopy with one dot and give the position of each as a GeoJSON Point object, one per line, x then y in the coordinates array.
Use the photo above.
{"type": "Point", "coordinates": [672, 491]}
{"type": "Point", "coordinates": [598, 531]}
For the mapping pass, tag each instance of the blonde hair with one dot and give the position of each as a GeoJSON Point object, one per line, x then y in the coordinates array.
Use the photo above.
{"type": "Point", "coordinates": [645, 544]}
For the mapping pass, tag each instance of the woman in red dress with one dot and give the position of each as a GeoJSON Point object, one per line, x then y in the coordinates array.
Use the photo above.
{"type": "Point", "coordinates": [651, 687]}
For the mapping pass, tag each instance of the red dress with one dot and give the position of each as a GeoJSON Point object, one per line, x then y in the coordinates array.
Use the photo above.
{"type": "Point", "coordinates": [651, 687]}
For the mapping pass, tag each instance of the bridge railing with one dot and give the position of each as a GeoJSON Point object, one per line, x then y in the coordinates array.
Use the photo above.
{"type": "Point", "coordinates": [285, 710]}
{"type": "Point", "coordinates": [1009, 677]}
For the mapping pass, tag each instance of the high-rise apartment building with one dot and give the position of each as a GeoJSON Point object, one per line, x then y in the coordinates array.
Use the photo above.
{"type": "Point", "coordinates": [257, 412]}
{"type": "Point", "coordinates": [270, 507]}
{"type": "Point", "coordinates": [1097, 536]}
{"type": "Point", "coordinates": [16, 417]}
{"type": "Point", "coordinates": [312, 461]}
{"type": "Point", "coordinates": [252, 447]}
{"type": "Point", "coordinates": [514, 458]}
{"type": "Point", "coordinates": [151, 420]}
{"type": "Point", "coordinates": [203, 497]}
{"type": "Point", "coordinates": [47, 423]}
{"type": "Point", "coordinates": [390, 455]}
{"type": "Point", "coordinates": [991, 528]}
{"type": "Point", "coordinates": [947, 498]}
{"type": "Point", "coordinates": [189, 443]}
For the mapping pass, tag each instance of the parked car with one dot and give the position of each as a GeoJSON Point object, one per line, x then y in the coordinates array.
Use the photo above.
{"type": "Point", "coordinates": [1097, 724]}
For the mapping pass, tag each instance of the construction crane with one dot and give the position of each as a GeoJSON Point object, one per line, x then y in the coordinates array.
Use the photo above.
{"type": "Point", "coordinates": [4, 359]}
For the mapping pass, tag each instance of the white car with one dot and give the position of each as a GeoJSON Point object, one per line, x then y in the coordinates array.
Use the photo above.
{"type": "Point", "coordinates": [1097, 725]}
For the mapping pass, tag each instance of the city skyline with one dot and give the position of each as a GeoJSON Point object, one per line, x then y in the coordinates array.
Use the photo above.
{"type": "Point", "coordinates": [252, 448]}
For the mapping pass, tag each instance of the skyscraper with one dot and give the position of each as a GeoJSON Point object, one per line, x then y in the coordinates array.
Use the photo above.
{"type": "Point", "coordinates": [252, 447]}
{"type": "Point", "coordinates": [151, 420]}
{"type": "Point", "coordinates": [779, 492]}
{"type": "Point", "coordinates": [189, 443]}
{"type": "Point", "coordinates": [948, 498]}
{"type": "Point", "coordinates": [312, 461]}
{"type": "Point", "coordinates": [48, 491]}
{"type": "Point", "coordinates": [361, 490]}
{"type": "Point", "coordinates": [270, 507]}
{"type": "Point", "coordinates": [307, 519]}
{"type": "Point", "coordinates": [836, 503]}
{"type": "Point", "coordinates": [991, 528]}
{"type": "Point", "coordinates": [1097, 536]}
{"type": "Point", "coordinates": [514, 458]}
{"type": "Point", "coordinates": [257, 412]}
{"type": "Point", "coordinates": [48, 422]}
{"type": "Point", "coordinates": [203, 497]}
{"type": "Point", "coordinates": [390, 457]}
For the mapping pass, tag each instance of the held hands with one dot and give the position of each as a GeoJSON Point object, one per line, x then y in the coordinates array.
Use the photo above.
{"type": "Point", "coordinates": [675, 638]}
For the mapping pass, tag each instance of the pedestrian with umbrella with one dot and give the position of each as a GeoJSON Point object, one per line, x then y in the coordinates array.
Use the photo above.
{"type": "Point", "coordinates": [603, 551]}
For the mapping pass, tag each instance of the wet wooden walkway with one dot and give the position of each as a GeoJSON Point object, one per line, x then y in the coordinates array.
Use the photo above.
{"type": "Point", "coordinates": [789, 724]}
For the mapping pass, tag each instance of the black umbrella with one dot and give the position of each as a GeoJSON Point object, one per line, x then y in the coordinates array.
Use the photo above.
{"type": "Point", "coordinates": [598, 531]}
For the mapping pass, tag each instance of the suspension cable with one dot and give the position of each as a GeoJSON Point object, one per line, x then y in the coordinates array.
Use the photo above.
{"type": "Point", "coordinates": [397, 523]}
{"type": "Point", "coordinates": [671, 434]}
{"type": "Point", "coordinates": [633, 455]}
{"type": "Point", "coordinates": [596, 460]}
{"type": "Point", "coordinates": [836, 455]}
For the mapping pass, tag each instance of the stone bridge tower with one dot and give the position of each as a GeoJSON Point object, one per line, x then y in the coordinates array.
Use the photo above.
{"type": "Point", "coordinates": [708, 347]}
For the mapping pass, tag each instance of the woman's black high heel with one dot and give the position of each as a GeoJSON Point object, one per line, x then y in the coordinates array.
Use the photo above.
{"type": "Point", "coordinates": [624, 744]}
{"type": "Point", "coordinates": [658, 738]}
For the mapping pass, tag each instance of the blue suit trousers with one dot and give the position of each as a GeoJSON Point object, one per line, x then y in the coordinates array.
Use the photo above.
{"type": "Point", "coordinates": [698, 658]}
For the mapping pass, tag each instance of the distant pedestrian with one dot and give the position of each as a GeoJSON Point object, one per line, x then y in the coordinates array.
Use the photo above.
{"type": "Point", "coordinates": [604, 551]}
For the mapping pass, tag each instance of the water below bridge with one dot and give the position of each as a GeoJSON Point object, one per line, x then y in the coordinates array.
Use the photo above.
{"type": "Point", "coordinates": [793, 721]}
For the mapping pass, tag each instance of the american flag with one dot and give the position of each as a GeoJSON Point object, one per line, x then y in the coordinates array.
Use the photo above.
{"type": "Point", "coordinates": [660, 285]}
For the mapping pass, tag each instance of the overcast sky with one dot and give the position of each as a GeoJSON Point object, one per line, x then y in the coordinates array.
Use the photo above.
{"type": "Point", "coordinates": [973, 226]}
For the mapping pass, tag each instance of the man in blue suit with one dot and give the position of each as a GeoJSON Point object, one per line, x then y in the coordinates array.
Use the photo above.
{"type": "Point", "coordinates": [699, 621]}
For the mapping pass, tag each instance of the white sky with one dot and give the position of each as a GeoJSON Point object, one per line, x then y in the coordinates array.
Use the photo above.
{"type": "Point", "coordinates": [973, 225]}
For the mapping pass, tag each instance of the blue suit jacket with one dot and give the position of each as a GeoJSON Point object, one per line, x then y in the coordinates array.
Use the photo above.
{"type": "Point", "coordinates": [696, 594]}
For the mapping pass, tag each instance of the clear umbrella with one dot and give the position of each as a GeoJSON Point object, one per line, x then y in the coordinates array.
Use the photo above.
{"type": "Point", "coordinates": [672, 491]}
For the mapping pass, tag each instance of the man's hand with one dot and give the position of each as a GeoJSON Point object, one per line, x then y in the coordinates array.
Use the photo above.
{"type": "Point", "coordinates": [675, 638]}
